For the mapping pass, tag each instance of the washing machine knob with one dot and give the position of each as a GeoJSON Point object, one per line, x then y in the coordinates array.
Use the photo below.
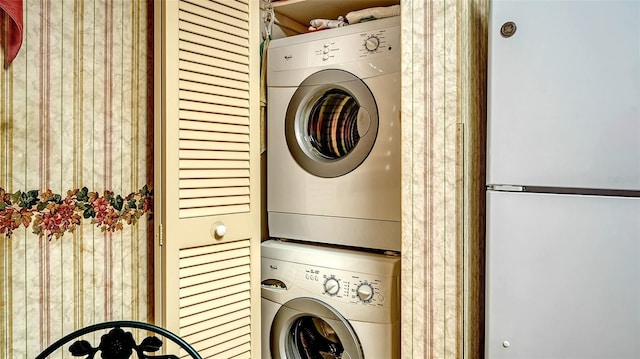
{"type": "Point", "coordinates": [365, 292]}
{"type": "Point", "coordinates": [331, 286]}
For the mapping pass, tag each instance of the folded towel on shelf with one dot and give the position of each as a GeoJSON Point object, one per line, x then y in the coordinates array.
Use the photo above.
{"type": "Point", "coordinates": [372, 13]}
{"type": "Point", "coordinates": [321, 24]}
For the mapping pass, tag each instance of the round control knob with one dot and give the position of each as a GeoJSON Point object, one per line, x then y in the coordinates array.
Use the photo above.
{"type": "Point", "coordinates": [365, 292]}
{"type": "Point", "coordinates": [331, 286]}
{"type": "Point", "coordinates": [372, 43]}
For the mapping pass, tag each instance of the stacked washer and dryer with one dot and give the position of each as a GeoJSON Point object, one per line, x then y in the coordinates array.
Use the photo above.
{"type": "Point", "coordinates": [331, 273]}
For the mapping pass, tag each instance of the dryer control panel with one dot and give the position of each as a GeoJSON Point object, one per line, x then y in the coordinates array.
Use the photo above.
{"type": "Point", "coordinates": [366, 45]}
{"type": "Point", "coordinates": [356, 47]}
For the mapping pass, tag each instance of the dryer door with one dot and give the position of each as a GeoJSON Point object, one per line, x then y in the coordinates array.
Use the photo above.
{"type": "Point", "coordinates": [306, 328]}
{"type": "Point", "coordinates": [331, 123]}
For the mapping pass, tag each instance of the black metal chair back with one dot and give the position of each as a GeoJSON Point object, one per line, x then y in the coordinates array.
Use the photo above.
{"type": "Point", "coordinates": [120, 344]}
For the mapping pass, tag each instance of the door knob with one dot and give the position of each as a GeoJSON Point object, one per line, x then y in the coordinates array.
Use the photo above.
{"type": "Point", "coordinates": [219, 230]}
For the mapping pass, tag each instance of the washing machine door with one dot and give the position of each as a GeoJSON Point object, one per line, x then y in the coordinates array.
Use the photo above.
{"type": "Point", "coordinates": [306, 328]}
{"type": "Point", "coordinates": [331, 123]}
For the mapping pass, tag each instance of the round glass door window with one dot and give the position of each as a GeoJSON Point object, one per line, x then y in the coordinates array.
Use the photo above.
{"type": "Point", "coordinates": [306, 328]}
{"type": "Point", "coordinates": [314, 338]}
{"type": "Point", "coordinates": [331, 123]}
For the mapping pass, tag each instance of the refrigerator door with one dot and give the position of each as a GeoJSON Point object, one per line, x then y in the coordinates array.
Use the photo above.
{"type": "Point", "coordinates": [563, 276]}
{"type": "Point", "coordinates": [564, 94]}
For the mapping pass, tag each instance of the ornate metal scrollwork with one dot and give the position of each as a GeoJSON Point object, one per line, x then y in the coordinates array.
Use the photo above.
{"type": "Point", "coordinates": [118, 344]}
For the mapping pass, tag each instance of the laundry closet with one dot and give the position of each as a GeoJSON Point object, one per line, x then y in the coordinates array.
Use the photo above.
{"type": "Point", "coordinates": [207, 98]}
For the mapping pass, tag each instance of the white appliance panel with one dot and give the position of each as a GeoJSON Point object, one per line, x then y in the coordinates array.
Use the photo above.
{"type": "Point", "coordinates": [563, 276]}
{"type": "Point", "coordinates": [564, 94]}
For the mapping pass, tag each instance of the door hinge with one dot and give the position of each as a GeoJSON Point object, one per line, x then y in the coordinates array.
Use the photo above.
{"type": "Point", "coordinates": [160, 239]}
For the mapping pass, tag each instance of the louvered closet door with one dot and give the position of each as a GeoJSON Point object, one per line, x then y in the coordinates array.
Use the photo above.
{"type": "Point", "coordinates": [207, 167]}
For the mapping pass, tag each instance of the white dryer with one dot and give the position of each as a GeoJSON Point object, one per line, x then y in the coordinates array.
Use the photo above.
{"type": "Point", "coordinates": [333, 158]}
{"type": "Point", "coordinates": [329, 302]}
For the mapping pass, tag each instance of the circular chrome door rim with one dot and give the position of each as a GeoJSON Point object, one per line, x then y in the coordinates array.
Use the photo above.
{"type": "Point", "coordinates": [311, 90]}
{"type": "Point", "coordinates": [296, 308]}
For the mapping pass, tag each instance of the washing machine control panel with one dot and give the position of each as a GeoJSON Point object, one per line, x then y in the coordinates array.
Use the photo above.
{"type": "Point", "coordinates": [348, 287]}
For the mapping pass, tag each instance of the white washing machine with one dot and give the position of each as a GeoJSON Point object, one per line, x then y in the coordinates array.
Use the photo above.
{"type": "Point", "coordinates": [333, 158]}
{"type": "Point", "coordinates": [329, 302]}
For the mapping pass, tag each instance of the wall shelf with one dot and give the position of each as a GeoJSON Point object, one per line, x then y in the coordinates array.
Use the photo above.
{"type": "Point", "coordinates": [296, 14]}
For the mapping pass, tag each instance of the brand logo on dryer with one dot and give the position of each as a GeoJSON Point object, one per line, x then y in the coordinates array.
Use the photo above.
{"type": "Point", "coordinates": [288, 57]}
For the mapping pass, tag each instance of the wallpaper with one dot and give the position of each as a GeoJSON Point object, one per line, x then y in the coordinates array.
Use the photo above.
{"type": "Point", "coordinates": [74, 111]}
{"type": "Point", "coordinates": [444, 76]}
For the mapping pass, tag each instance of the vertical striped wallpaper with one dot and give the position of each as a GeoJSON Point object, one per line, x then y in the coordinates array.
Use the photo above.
{"type": "Point", "coordinates": [444, 76]}
{"type": "Point", "coordinates": [73, 112]}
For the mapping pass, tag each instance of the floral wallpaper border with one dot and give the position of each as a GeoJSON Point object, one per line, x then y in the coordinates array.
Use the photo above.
{"type": "Point", "coordinates": [51, 215]}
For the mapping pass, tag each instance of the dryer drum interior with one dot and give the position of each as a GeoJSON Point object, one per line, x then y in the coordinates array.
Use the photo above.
{"type": "Point", "coordinates": [331, 123]}
{"type": "Point", "coordinates": [306, 328]}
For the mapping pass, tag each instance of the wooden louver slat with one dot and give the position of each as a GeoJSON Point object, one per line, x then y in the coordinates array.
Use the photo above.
{"type": "Point", "coordinates": [214, 183]}
{"type": "Point", "coordinates": [212, 89]}
{"type": "Point", "coordinates": [212, 80]}
{"type": "Point", "coordinates": [213, 192]}
{"type": "Point", "coordinates": [213, 136]}
{"type": "Point", "coordinates": [186, 154]}
{"type": "Point", "coordinates": [223, 108]}
{"type": "Point", "coordinates": [214, 211]}
{"type": "Point", "coordinates": [212, 98]}
{"type": "Point", "coordinates": [212, 127]}
{"type": "Point", "coordinates": [213, 146]}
